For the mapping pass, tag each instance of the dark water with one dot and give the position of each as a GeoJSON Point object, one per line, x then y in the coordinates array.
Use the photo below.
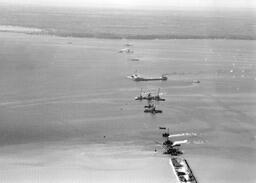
{"type": "Point", "coordinates": [136, 24]}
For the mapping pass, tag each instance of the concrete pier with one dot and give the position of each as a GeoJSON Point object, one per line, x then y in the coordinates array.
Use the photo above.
{"type": "Point", "coordinates": [182, 170]}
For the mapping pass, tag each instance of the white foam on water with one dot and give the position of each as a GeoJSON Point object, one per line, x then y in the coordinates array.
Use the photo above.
{"type": "Point", "coordinates": [10, 28]}
{"type": "Point", "coordinates": [198, 142]}
{"type": "Point", "coordinates": [181, 142]}
{"type": "Point", "coordinates": [183, 134]}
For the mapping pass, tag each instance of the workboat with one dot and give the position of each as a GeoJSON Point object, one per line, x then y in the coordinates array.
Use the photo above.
{"type": "Point", "coordinates": [152, 110]}
{"type": "Point", "coordinates": [135, 59]}
{"type": "Point", "coordinates": [138, 77]}
{"type": "Point", "coordinates": [149, 106]}
{"type": "Point", "coordinates": [126, 50]}
{"type": "Point", "coordinates": [173, 151]}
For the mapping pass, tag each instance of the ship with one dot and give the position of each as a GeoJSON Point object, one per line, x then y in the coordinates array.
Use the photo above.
{"type": "Point", "coordinates": [138, 77]}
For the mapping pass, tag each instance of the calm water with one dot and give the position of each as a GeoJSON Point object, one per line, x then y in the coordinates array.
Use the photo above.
{"type": "Point", "coordinates": [59, 89]}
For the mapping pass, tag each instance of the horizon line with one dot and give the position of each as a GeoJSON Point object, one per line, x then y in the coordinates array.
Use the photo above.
{"type": "Point", "coordinates": [140, 7]}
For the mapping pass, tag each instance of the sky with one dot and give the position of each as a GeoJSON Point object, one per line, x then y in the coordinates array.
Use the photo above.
{"type": "Point", "coordinates": [165, 4]}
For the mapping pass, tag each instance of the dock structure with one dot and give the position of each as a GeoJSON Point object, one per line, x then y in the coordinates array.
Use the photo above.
{"type": "Point", "coordinates": [191, 171]}
{"type": "Point", "coordinates": [180, 165]}
{"type": "Point", "coordinates": [182, 170]}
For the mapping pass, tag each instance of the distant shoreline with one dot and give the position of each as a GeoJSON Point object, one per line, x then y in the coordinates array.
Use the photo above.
{"type": "Point", "coordinates": [121, 24]}
{"type": "Point", "coordinates": [38, 31]}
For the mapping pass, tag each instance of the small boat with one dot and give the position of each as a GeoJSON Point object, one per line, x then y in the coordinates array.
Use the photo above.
{"type": "Point", "coordinates": [126, 50]}
{"type": "Point", "coordinates": [173, 152]}
{"type": "Point", "coordinates": [195, 81]}
{"type": "Point", "coordinates": [135, 59]}
{"type": "Point", "coordinates": [152, 110]}
{"type": "Point", "coordinates": [149, 106]}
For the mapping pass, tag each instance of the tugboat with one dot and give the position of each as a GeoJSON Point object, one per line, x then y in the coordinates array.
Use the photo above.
{"type": "Point", "coordinates": [166, 134]}
{"type": "Point", "coordinates": [152, 110]}
{"type": "Point", "coordinates": [170, 148]}
{"type": "Point", "coordinates": [149, 105]}
{"type": "Point", "coordinates": [173, 152]}
{"type": "Point", "coordinates": [168, 143]}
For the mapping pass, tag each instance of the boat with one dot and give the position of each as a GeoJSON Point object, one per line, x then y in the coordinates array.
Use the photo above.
{"type": "Point", "coordinates": [149, 106]}
{"type": "Point", "coordinates": [173, 151]}
{"type": "Point", "coordinates": [165, 134]}
{"type": "Point", "coordinates": [196, 81]}
{"type": "Point", "coordinates": [135, 59]}
{"type": "Point", "coordinates": [152, 110]}
{"type": "Point", "coordinates": [126, 50]}
{"type": "Point", "coordinates": [138, 77]}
